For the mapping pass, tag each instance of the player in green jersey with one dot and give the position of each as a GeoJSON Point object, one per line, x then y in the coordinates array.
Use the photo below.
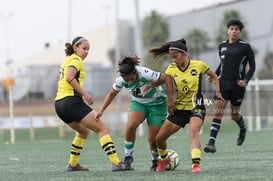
{"type": "Point", "coordinates": [147, 101]}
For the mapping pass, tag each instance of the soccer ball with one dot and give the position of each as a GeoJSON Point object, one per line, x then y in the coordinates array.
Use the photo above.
{"type": "Point", "coordinates": [174, 160]}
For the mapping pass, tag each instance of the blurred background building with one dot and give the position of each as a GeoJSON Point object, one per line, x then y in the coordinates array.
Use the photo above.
{"type": "Point", "coordinates": [36, 76]}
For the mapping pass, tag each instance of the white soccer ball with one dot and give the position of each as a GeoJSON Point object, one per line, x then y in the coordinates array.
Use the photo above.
{"type": "Point", "coordinates": [174, 160]}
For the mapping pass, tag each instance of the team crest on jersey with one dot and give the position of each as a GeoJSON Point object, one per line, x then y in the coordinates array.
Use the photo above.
{"type": "Point", "coordinates": [193, 72]}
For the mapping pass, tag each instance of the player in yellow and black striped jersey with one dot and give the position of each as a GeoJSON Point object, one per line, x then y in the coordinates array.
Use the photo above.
{"type": "Point", "coordinates": [188, 84]}
{"type": "Point", "coordinates": [188, 107]}
{"type": "Point", "coordinates": [64, 87]}
{"type": "Point", "coordinates": [72, 105]}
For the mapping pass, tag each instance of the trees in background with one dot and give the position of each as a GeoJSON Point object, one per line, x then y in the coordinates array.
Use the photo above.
{"type": "Point", "coordinates": [266, 71]}
{"type": "Point", "coordinates": [197, 42]}
{"type": "Point", "coordinates": [155, 31]}
{"type": "Point", "coordinates": [222, 30]}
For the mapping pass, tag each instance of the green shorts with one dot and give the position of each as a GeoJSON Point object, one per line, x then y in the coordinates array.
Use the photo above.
{"type": "Point", "coordinates": [155, 114]}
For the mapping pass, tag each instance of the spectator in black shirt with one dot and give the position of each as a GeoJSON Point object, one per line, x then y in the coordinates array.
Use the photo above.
{"type": "Point", "coordinates": [235, 54]}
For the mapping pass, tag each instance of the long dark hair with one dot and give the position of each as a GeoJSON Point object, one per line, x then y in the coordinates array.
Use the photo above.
{"type": "Point", "coordinates": [127, 65]}
{"type": "Point", "coordinates": [179, 45]}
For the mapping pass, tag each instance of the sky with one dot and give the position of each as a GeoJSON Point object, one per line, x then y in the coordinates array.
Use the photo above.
{"type": "Point", "coordinates": [26, 25]}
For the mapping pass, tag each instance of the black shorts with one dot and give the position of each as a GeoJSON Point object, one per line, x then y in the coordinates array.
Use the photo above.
{"type": "Point", "coordinates": [182, 117]}
{"type": "Point", "coordinates": [232, 92]}
{"type": "Point", "coordinates": [71, 109]}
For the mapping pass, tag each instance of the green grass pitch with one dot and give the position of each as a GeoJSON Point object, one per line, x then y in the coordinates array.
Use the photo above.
{"type": "Point", "coordinates": [45, 159]}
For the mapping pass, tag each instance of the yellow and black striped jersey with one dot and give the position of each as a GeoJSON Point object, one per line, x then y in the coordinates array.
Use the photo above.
{"type": "Point", "coordinates": [188, 84]}
{"type": "Point", "coordinates": [64, 88]}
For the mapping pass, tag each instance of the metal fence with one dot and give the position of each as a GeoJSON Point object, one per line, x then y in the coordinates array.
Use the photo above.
{"type": "Point", "coordinates": [259, 104]}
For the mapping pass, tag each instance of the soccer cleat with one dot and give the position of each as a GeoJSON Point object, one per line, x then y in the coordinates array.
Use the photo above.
{"type": "Point", "coordinates": [154, 165]}
{"type": "Point", "coordinates": [78, 167]}
{"type": "Point", "coordinates": [241, 137]}
{"type": "Point", "coordinates": [161, 164]}
{"type": "Point", "coordinates": [196, 168]}
{"type": "Point", "coordinates": [210, 148]}
{"type": "Point", "coordinates": [128, 160]}
{"type": "Point", "coordinates": [118, 167]}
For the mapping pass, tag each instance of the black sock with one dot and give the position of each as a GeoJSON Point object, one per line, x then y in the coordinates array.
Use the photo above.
{"type": "Point", "coordinates": [241, 123]}
{"type": "Point", "coordinates": [196, 161]}
{"type": "Point", "coordinates": [214, 128]}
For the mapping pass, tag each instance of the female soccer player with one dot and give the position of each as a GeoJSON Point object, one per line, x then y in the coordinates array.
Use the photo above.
{"type": "Point", "coordinates": [148, 101]}
{"type": "Point", "coordinates": [72, 104]}
{"type": "Point", "coordinates": [188, 106]}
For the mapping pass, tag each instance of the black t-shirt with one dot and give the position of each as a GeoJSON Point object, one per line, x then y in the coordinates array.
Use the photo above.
{"type": "Point", "coordinates": [234, 59]}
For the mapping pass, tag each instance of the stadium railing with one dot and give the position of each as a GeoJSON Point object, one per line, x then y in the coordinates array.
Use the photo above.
{"type": "Point", "coordinates": [258, 103]}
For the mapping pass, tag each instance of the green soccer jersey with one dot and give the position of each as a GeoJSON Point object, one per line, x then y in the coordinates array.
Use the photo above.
{"type": "Point", "coordinates": [144, 76]}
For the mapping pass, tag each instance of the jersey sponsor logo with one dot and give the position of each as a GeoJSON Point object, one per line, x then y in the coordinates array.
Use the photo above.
{"type": "Point", "coordinates": [136, 92]}
{"type": "Point", "coordinates": [118, 87]}
{"type": "Point", "coordinates": [175, 75]}
{"type": "Point", "coordinates": [154, 74]}
{"type": "Point", "coordinates": [186, 89]}
{"type": "Point", "coordinates": [184, 81]}
{"type": "Point", "coordinates": [146, 71]}
{"type": "Point", "coordinates": [193, 72]}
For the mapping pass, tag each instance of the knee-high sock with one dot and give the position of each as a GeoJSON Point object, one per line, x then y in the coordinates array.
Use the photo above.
{"type": "Point", "coordinates": [76, 147]}
{"type": "Point", "coordinates": [214, 129]}
{"type": "Point", "coordinates": [109, 148]}
{"type": "Point", "coordinates": [240, 123]}
{"type": "Point", "coordinates": [195, 156]}
{"type": "Point", "coordinates": [163, 153]}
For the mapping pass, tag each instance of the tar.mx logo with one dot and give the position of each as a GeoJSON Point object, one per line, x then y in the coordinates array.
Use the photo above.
{"type": "Point", "coordinates": [208, 101]}
{"type": "Point", "coordinates": [201, 101]}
